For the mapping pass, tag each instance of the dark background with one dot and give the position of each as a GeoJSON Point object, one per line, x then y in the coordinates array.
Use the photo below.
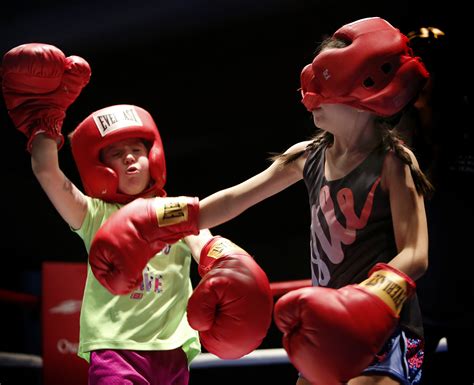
{"type": "Point", "coordinates": [221, 80]}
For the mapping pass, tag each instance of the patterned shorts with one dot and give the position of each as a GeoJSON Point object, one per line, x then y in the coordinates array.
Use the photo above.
{"type": "Point", "coordinates": [401, 358]}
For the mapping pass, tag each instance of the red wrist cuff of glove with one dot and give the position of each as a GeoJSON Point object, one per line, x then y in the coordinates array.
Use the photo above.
{"type": "Point", "coordinates": [59, 138]}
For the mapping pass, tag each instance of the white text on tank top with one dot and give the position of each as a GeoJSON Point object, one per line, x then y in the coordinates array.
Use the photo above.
{"type": "Point", "coordinates": [338, 234]}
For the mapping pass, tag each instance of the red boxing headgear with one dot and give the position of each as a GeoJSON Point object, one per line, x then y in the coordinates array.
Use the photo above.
{"type": "Point", "coordinates": [376, 72]}
{"type": "Point", "coordinates": [110, 125]}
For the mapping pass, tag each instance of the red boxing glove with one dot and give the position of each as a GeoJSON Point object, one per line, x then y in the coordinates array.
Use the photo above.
{"type": "Point", "coordinates": [332, 335]}
{"type": "Point", "coordinates": [39, 83]}
{"type": "Point", "coordinates": [232, 305]}
{"type": "Point", "coordinates": [131, 236]}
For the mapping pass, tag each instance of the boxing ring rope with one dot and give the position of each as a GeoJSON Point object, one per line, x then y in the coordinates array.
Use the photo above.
{"type": "Point", "coordinates": [20, 360]}
{"type": "Point", "coordinates": [204, 360]}
{"type": "Point", "coordinates": [22, 299]}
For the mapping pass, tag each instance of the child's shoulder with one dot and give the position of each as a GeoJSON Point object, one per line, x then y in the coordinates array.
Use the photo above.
{"type": "Point", "coordinates": [300, 146]}
{"type": "Point", "coordinates": [394, 158]}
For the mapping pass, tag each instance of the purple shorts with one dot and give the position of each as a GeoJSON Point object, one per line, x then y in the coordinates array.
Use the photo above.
{"type": "Point", "coordinates": [127, 367]}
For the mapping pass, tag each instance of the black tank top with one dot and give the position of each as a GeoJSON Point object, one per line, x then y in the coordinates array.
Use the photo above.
{"type": "Point", "coordinates": [351, 227]}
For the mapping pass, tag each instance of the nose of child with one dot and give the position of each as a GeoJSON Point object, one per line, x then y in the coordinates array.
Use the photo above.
{"type": "Point", "coordinates": [129, 158]}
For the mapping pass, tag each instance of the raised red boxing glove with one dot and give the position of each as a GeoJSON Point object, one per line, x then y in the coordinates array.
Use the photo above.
{"type": "Point", "coordinates": [131, 236]}
{"type": "Point", "coordinates": [332, 335]}
{"type": "Point", "coordinates": [39, 83]}
{"type": "Point", "coordinates": [232, 305]}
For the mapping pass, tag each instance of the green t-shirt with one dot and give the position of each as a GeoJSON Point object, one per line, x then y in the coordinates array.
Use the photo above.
{"type": "Point", "coordinates": [152, 317]}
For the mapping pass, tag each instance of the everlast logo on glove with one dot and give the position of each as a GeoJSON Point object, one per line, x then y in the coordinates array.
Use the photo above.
{"type": "Point", "coordinates": [222, 247]}
{"type": "Point", "coordinates": [216, 248]}
{"type": "Point", "coordinates": [170, 211]}
{"type": "Point", "coordinates": [113, 118]}
{"type": "Point", "coordinates": [389, 286]}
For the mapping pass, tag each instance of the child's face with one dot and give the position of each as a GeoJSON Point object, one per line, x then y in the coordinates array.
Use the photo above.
{"type": "Point", "coordinates": [129, 159]}
{"type": "Point", "coordinates": [335, 118]}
